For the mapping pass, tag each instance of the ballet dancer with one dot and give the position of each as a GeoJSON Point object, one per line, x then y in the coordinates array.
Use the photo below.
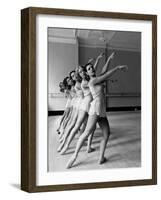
{"type": "Point", "coordinates": [78, 100]}
{"type": "Point", "coordinates": [82, 111]}
{"type": "Point", "coordinates": [97, 112]}
{"type": "Point", "coordinates": [70, 84]}
{"type": "Point", "coordinates": [84, 108]}
{"type": "Point", "coordinates": [79, 94]}
{"type": "Point", "coordinates": [65, 88]}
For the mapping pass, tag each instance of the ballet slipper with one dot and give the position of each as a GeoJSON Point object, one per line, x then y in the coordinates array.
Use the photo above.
{"type": "Point", "coordinates": [71, 162]}
{"type": "Point", "coordinates": [102, 160]}
{"type": "Point", "coordinates": [89, 150]}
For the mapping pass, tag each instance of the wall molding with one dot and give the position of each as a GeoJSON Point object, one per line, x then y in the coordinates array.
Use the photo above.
{"type": "Point", "coordinates": [63, 40]}
{"type": "Point", "coordinates": [103, 46]}
{"type": "Point", "coordinates": [110, 109]}
{"type": "Point", "coordinates": [124, 95]}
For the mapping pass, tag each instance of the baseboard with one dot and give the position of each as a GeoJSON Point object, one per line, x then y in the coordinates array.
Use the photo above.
{"type": "Point", "coordinates": [125, 108]}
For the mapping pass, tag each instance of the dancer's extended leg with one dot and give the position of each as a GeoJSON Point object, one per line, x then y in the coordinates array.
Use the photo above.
{"type": "Point", "coordinates": [67, 131]}
{"type": "Point", "coordinates": [104, 125]}
{"type": "Point", "coordinates": [90, 137]}
{"type": "Point", "coordinates": [82, 116]}
{"type": "Point", "coordinates": [67, 123]}
{"type": "Point", "coordinates": [92, 120]}
{"type": "Point", "coordinates": [64, 117]}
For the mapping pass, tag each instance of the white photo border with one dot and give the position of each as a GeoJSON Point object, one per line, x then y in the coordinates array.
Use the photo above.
{"type": "Point", "coordinates": [43, 177]}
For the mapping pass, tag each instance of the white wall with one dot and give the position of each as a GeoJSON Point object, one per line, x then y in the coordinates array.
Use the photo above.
{"type": "Point", "coordinates": [62, 59]}
{"type": "Point", "coordinates": [10, 100]}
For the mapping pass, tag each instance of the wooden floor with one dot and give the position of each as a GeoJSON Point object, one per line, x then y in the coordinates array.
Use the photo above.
{"type": "Point", "coordinates": [123, 149]}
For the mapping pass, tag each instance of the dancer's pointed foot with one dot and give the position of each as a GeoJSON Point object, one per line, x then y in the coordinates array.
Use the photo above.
{"type": "Point", "coordinates": [71, 162]}
{"type": "Point", "coordinates": [102, 160]}
{"type": "Point", "coordinates": [59, 148]}
{"type": "Point", "coordinates": [89, 150]}
{"type": "Point", "coordinates": [64, 150]}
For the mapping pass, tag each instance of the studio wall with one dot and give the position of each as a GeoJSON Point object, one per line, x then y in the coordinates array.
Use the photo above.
{"type": "Point", "coordinates": [124, 89]}
{"type": "Point", "coordinates": [62, 59]}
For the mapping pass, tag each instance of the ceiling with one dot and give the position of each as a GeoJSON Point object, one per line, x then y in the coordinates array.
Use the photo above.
{"type": "Point", "coordinates": [123, 40]}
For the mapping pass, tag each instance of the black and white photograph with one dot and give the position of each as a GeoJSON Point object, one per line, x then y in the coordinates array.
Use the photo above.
{"type": "Point", "coordinates": [94, 99]}
{"type": "Point", "coordinates": [88, 99]}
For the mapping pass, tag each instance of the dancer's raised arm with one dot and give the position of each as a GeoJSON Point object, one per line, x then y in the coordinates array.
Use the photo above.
{"type": "Point", "coordinates": [107, 64]}
{"type": "Point", "coordinates": [109, 73]}
{"type": "Point", "coordinates": [97, 61]}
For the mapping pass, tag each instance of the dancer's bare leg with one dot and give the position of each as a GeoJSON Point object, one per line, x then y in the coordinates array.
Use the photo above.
{"type": "Point", "coordinates": [104, 125]}
{"type": "Point", "coordinates": [82, 116]}
{"type": "Point", "coordinates": [90, 137]}
{"type": "Point", "coordinates": [67, 131]}
{"type": "Point", "coordinates": [89, 148]}
{"type": "Point", "coordinates": [68, 118]}
{"type": "Point", "coordinates": [60, 123]}
{"type": "Point", "coordinates": [64, 117]}
{"type": "Point", "coordinates": [67, 123]}
{"type": "Point", "coordinates": [92, 120]}
{"type": "Point", "coordinates": [83, 126]}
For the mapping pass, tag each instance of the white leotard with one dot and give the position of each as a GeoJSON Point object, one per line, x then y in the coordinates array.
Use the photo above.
{"type": "Point", "coordinates": [69, 99]}
{"type": "Point", "coordinates": [98, 105]}
{"type": "Point", "coordinates": [79, 95]}
{"type": "Point", "coordinates": [85, 105]}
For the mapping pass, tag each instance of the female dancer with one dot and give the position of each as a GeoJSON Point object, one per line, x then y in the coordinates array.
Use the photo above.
{"type": "Point", "coordinates": [97, 112]}
{"type": "Point", "coordinates": [78, 99]}
{"type": "Point", "coordinates": [64, 87]}
{"type": "Point", "coordinates": [70, 84]}
{"type": "Point", "coordinates": [84, 108]}
{"type": "Point", "coordinates": [82, 111]}
{"type": "Point", "coordinates": [79, 94]}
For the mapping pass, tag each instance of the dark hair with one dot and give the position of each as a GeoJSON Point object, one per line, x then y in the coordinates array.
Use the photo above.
{"type": "Point", "coordinates": [66, 85]}
{"type": "Point", "coordinates": [78, 77]}
{"type": "Point", "coordinates": [62, 90]}
{"type": "Point", "coordinates": [65, 81]}
{"type": "Point", "coordinates": [83, 67]}
{"type": "Point", "coordinates": [87, 65]}
{"type": "Point", "coordinates": [61, 84]}
{"type": "Point", "coordinates": [71, 76]}
{"type": "Point", "coordinates": [71, 73]}
{"type": "Point", "coordinates": [85, 70]}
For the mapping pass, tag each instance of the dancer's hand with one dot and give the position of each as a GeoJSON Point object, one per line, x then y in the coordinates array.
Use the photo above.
{"type": "Point", "coordinates": [123, 67]}
{"type": "Point", "coordinates": [91, 60]}
{"type": "Point", "coordinates": [112, 55]}
{"type": "Point", "coordinates": [101, 55]}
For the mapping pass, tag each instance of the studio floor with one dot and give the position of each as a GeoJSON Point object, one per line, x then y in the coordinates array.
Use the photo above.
{"type": "Point", "coordinates": [123, 149]}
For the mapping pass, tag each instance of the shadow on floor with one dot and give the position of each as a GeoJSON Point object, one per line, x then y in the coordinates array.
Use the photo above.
{"type": "Point", "coordinates": [16, 185]}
